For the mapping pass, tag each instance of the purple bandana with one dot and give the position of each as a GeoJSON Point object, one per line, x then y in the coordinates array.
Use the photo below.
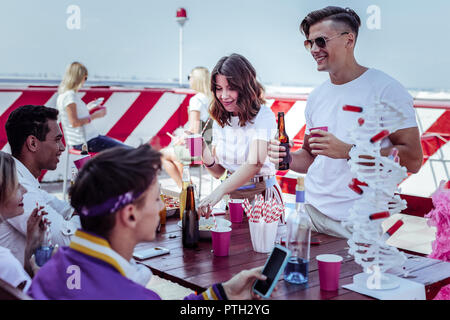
{"type": "Point", "coordinates": [111, 205]}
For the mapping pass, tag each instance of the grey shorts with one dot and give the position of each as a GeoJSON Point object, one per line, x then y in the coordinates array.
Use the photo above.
{"type": "Point", "coordinates": [324, 224]}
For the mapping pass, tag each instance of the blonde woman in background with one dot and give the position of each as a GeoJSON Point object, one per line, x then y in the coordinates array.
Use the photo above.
{"type": "Point", "coordinates": [11, 205]}
{"type": "Point", "coordinates": [198, 114]}
{"type": "Point", "coordinates": [74, 113]}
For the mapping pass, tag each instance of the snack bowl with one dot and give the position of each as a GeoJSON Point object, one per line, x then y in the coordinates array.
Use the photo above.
{"type": "Point", "coordinates": [205, 225]}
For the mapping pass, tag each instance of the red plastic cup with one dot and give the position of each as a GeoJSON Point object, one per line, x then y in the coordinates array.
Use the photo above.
{"type": "Point", "coordinates": [318, 128]}
{"type": "Point", "coordinates": [194, 143]}
{"type": "Point", "coordinates": [329, 270]}
{"type": "Point", "coordinates": [221, 241]}
{"type": "Point", "coordinates": [80, 162]}
{"type": "Point", "coordinates": [236, 210]}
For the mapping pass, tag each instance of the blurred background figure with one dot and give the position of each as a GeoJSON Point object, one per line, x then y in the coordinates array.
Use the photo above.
{"type": "Point", "coordinates": [75, 117]}
{"type": "Point", "coordinates": [198, 115]}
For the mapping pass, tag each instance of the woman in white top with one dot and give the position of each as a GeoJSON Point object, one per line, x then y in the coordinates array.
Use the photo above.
{"type": "Point", "coordinates": [242, 129]}
{"type": "Point", "coordinates": [74, 113]}
{"type": "Point", "coordinates": [199, 80]}
{"type": "Point", "coordinates": [11, 205]}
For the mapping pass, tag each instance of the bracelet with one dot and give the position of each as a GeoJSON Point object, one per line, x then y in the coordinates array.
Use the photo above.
{"type": "Point", "coordinates": [210, 165]}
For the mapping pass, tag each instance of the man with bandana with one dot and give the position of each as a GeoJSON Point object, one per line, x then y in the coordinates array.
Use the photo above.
{"type": "Point", "coordinates": [118, 199]}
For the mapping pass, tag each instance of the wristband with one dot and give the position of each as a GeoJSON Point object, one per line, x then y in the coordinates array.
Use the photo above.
{"type": "Point", "coordinates": [221, 290]}
{"type": "Point", "coordinates": [210, 165]}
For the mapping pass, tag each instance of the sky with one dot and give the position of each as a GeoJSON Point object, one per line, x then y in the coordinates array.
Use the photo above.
{"type": "Point", "coordinates": [139, 39]}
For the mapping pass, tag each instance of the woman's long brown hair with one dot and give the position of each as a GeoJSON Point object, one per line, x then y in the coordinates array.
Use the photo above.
{"type": "Point", "coordinates": [241, 76]}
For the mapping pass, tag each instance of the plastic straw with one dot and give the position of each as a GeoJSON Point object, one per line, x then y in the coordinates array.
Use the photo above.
{"type": "Point", "coordinates": [206, 125]}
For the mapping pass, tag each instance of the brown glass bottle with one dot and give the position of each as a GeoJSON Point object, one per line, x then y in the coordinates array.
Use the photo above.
{"type": "Point", "coordinates": [190, 233]}
{"type": "Point", "coordinates": [284, 141]}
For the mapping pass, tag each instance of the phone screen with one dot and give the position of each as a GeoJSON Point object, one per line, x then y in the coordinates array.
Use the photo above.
{"type": "Point", "coordinates": [271, 270]}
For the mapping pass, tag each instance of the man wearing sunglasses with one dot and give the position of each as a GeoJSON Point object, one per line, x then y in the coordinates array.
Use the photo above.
{"type": "Point", "coordinates": [331, 35]}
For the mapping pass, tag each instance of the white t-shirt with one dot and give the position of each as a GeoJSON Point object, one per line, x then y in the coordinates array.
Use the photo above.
{"type": "Point", "coordinates": [12, 271]}
{"type": "Point", "coordinates": [200, 102]}
{"type": "Point", "coordinates": [75, 136]}
{"type": "Point", "coordinates": [233, 142]}
{"type": "Point", "coordinates": [327, 179]}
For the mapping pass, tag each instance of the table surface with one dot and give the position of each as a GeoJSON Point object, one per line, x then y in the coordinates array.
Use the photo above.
{"type": "Point", "coordinates": [198, 268]}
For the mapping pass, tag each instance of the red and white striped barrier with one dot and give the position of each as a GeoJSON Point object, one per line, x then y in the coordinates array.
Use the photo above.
{"type": "Point", "coordinates": [136, 116]}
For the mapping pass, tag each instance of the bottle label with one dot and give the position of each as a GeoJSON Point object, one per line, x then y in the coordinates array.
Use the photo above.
{"type": "Point", "coordinates": [299, 196]}
{"type": "Point", "coordinates": [284, 165]}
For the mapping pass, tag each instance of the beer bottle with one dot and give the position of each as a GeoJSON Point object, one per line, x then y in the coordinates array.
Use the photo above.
{"type": "Point", "coordinates": [190, 233]}
{"type": "Point", "coordinates": [284, 142]}
{"type": "Point", "coordinates": [186, 181]}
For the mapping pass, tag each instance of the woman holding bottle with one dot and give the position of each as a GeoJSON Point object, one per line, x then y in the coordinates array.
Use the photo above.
{"type": "Point", "coordinates": [242, 129]}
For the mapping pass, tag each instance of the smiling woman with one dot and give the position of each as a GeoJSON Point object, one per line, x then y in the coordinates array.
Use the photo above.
{"type": "Point", "coordinates": [242, 129]}
{"type": "Point", "coordinates": [11, 205]}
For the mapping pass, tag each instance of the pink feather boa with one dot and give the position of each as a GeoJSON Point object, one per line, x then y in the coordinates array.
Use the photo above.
{"type": "Point", "coordinates": [440, 218]}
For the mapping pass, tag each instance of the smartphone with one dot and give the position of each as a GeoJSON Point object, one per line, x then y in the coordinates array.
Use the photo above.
{"type": "Point", "coordinates": [99, 101]}
{"type": "Point", "coordinates": [272, 270]}
{"type": "Point", "coordinates": [149, 253]}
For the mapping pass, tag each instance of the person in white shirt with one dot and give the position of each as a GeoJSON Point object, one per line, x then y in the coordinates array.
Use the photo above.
{"type": "Point", "coordinates": [242, 130]}
{"type": "Point", "coordinates": [36, 144]}
{"type": "Point", "coordinates": [331, 37]}
{"type": "Point", "coordinates": [199, 80]}
{"type": "Point", "coordinates": [75, 117]}
{"type": "Point", "coordinates": [11, 205]}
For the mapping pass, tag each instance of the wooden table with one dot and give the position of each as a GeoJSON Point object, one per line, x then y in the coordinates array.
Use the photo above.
{"type": "Point", "coordinates": [199, 268]}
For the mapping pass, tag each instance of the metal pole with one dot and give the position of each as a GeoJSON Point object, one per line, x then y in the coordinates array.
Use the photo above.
{"type": "Point", "coordinates": [180, 70]}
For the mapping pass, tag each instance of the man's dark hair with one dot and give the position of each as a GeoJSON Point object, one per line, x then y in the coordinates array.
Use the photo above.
{"type": "Point", "coordinates": [337, 14]}
{"type": "Point", "coordinates": [25, 121]}
{"type": "Point", "coordinates": [111, 173]}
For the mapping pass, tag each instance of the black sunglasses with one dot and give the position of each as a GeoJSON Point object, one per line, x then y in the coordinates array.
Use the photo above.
{"type": "Point", "coordinates": [321, 42]}
{"type": "Point", "coordinates": [189, 77]}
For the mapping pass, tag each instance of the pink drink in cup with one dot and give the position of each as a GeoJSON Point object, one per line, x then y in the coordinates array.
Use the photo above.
{"type": "Point", "coordinates": [221, 240]}
{"type": "Point", "coordinates": [194, 143]}
{"type": "Point", "coordinates": [318, 128]}
{"type": "Point", "coordinates": [236, 210]}
{"type": "Point", "coordinates": [329, 270]}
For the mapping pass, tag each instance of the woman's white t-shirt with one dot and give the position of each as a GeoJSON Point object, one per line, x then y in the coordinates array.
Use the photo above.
{"type": "Point", "coordinates": [11, 270]}
{"type": "Point", "coordinates": [232, 142]}
{"type": "Point", "coordinates": [200, 102]}
{"type": "Point", "coordinates": [78, 135]}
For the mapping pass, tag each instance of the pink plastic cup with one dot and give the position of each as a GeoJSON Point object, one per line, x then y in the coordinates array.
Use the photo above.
{"type": "Point", "coordinates": [80, 162]}
{"type": "Point", "coordinates": [236, 210]}
{"type": "Point", "coordinates": [194, 143]}
{"type": "Point", "coordinates": [221, 241]}
{"type": "Point", "coordinates": [329, 270]}
{"type": "Point", "coordinates": [318, 128]}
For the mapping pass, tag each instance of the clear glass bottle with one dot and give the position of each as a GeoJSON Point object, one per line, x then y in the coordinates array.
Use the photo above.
{"type": "Point", "coordinates": [298, 241]}
{"type": "Point", "coordinates": [44, 252]}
